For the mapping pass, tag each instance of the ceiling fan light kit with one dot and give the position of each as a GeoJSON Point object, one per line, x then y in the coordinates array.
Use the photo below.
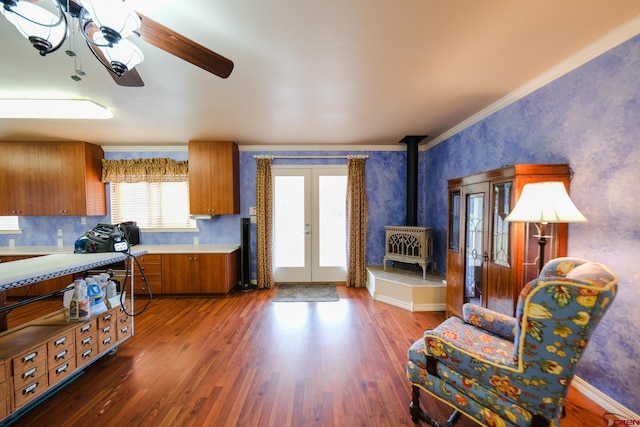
{"type": "Point", "coordinates": [105, 25]}
{"type": "Point", "coordinates": [115, 20]}
{"type": "Point", "coordinates": [46, 31]}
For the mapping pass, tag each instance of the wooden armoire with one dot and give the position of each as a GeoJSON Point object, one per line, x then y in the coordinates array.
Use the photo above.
{"type": "Point", "coordinates": [489, 260]}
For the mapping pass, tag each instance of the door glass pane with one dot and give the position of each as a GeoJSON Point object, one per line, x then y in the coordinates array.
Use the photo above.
{"type": "Point", "coordinates": [501, 204]}
{"type": "Point", "coordinates": [474, 248]}
{"type": "Point", "coordinates": [332, 196]}
{"type": "Point", "coordinates": [454, 220]}
{"type": "Point", "coordinates": [289, 228]}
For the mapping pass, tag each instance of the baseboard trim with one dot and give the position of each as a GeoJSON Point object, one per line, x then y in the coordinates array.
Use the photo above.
{"type": "Point", "coordinates": [607, 403]}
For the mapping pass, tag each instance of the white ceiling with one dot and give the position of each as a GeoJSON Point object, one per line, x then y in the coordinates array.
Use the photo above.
{"type": "Point", "coordinates": [312, 72]}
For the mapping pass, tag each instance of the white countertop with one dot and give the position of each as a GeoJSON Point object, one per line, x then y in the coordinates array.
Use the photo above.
{"type": "Point", "coordinates": [19, 273]}
{"type": "Point", "coordinates": [151, 249]}
{"type": "Point", "coordinates": [189, 249]}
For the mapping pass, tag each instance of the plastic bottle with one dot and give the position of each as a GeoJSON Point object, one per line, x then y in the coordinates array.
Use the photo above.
{"type": "Point", "coordinates": [96, 298]}
{"type": "Point", "coordinates": [74, 311]}
{"type": "Point", "coordinates": [84, 308]}
{"type": "Point", "coordinates": [112, 289]}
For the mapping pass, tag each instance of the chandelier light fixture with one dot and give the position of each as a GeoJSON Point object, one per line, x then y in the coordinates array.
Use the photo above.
{"type": "Point", "coordinates": [104, 25]}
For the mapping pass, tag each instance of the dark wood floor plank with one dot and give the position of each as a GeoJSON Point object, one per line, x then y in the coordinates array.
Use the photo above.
{"type": "Point", "coordinates": [246, 361]}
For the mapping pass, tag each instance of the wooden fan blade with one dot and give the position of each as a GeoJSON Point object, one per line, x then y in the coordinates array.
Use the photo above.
{"type": "Point", "coordinates": [168, 40]}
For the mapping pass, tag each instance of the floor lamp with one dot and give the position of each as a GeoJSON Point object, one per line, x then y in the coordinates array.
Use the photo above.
{"type": "Point", "coordinates": [542, 203]}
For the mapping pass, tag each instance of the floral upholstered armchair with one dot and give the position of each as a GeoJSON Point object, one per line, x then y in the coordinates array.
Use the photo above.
{"type": "Point", "coordinates": [505, 371]}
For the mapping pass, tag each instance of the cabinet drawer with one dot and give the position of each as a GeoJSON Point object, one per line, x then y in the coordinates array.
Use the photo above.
{"type": "Point", "coordinates": [107, 340]}
{"type": "Point", "coordinates": [62, 371]}
{"type": "Point", "coordinates": [107, 319]}
{"type": "Point", "coordinates": [86, 354]}
{"type": "Point", "coordinates": [149, 269]}
{"type": "Point", "coordinates": [125, 328]}
{"type": "Point", "coordinates": [86, 329]}
{"type": "Point", "coordinates": [86, 342]}
{"type": "Point", "coordinates": [61, 355]}
{"type": "Point", "coordinates": [28, 374]}
{"type": "Point", "coordinates": [61, 342]}
{"type": "Point", "coordinates": [28, 360]}
{"type": "Point", "coordinates": [30, 391]}
{"type": "Point", "coordinates": [149, 259]}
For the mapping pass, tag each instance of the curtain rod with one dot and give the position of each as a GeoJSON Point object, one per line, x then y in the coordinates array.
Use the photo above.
{"type": "Point", "coordinates": [353, 156]}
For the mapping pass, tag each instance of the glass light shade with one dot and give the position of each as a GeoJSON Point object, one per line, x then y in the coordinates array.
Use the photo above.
{"type": "Point", "coordinates": [113, 14]}
{"type": "Point", "coordinates": [543, 203]}
{"type": "Point", "coordinates": [47, 30]}
{"type": "Point", "coordinates": [122, 57]}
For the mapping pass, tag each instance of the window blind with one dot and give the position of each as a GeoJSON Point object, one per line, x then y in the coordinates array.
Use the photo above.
{"type": "Point", "coordinates": [9, 223]}
{"type": "Point", "coordinates": [151, 204]}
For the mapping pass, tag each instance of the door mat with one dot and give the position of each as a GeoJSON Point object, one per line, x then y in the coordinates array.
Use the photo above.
{"type": "Point", "coordinates": [306, 292]}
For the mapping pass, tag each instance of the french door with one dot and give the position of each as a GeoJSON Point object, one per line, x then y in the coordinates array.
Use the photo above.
{"type": "Point", "coordinates": [309, 222]}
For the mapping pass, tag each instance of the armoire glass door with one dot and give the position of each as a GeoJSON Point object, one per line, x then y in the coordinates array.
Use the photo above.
{"type": "Point", "coordinates": [475, 246]}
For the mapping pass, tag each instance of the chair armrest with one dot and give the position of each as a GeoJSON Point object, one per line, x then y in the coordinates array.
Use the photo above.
{"type": "Point", "coordinates": [491, 321]}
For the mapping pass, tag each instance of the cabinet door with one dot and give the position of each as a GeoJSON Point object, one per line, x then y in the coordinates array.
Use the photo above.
{"type": "Point", "coordinates": [199, 273]}
{"type": "Point", "coordinates": [501, 292]}
{"type": "Point", "coordinates": [177, 272]}
{"type": "Point", "coordinates": [455, 255]}
{"type": "Point", "coordinates": [18, 178]}
{"type": "Point", "coordinates": [225, 190]}
{"type": "Point", "coordinates": [199, 178]}
{"type": "Point", "coordinates": [214, 178]}
{"type": "Point", "coordinates": [211, 273]}
{"type": "Point", "coordinates": [476, 242]}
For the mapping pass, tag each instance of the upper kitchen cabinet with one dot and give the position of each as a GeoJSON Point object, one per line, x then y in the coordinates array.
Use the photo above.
{"type": "Point", "coordinates": [51, 179]}
{"type": "Point", "coordinates": [214, 178]}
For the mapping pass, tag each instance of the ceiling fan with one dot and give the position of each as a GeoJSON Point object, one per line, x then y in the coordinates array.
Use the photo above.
{"type": "Point", "coordinates": [47, 32]}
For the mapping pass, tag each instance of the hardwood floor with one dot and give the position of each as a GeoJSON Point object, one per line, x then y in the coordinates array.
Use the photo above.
{"type": "Point", "coordinates": [246, 361]}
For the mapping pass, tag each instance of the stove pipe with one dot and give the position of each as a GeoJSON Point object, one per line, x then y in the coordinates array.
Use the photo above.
{"type": "Point", "coordinates": [412, 142]}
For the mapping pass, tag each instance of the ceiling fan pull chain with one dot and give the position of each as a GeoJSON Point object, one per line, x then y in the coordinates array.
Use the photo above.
{"type": "Point", "coordinates": [72, 52]}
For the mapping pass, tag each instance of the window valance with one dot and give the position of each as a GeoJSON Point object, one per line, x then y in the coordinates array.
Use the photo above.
{"type": "Point", "coordinates": [145, 170]}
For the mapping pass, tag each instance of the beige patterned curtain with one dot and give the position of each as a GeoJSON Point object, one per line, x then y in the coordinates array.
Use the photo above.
{"type": "Point", "coordinates": [356, 223]}
{"type": "Point", "coordinates": [145, 170]}
{"type": "Point", "coordinates": [264, 219]}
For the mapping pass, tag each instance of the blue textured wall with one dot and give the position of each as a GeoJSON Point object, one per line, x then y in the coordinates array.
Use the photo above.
{"type": "Point", "coordinates": [589, 118]}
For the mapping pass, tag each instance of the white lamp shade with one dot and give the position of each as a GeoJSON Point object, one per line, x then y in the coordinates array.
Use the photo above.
{"type": "Point", "coordinates": [124, 52]}
{"type": "Point", "coordinates": [545, 202]}
{"type": "Point", "coordinates": [113, 14]}
{"type": "Point", "coordinates": [54, 34]}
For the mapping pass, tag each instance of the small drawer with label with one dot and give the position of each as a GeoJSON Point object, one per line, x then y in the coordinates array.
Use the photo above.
{"type": "Point", "coordinates": [60, 342]}
{"type": "Point", "coordinates": [30, 391]}
{"type": "Point", "coordinates": [86, 354]}
{"type": "Point", "coordinates": [62, 371]}
{"type": "Point", "coordinates": [107, 339]}
{"type": "Point", "coordinates": [61, 355]}
{"type": "Point", "coordinates": [28, 360]}
{"type": "Point", "coordinates": [106, 319]}
{"type": "Point", "coordinates": [28, 374]}
{"type": "Point", "coordinates": [86, 329]}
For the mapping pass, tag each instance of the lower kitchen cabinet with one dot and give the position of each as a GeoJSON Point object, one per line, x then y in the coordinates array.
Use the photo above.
{"type": "Point", "coordinates": [151, 265]}
{"type": "Point", "coordinates": [199, 273]}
